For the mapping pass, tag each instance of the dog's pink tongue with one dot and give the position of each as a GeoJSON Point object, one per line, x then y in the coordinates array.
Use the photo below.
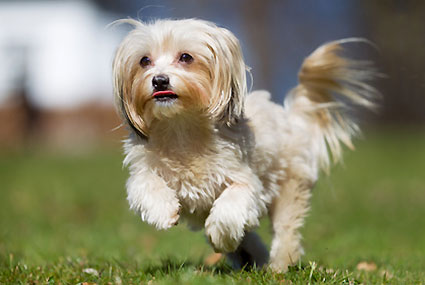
{"type": "Point", "coordinates": [162, 93]}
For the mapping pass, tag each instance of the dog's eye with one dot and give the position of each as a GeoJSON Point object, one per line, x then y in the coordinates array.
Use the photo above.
{"type": "Point", "coordinates": [186, 58]}
{"type": "Point", "coordinates": [145, 61]}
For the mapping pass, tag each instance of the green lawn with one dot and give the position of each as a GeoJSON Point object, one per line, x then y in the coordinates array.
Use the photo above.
{"type": "Point", "coordinates": [62, 215]}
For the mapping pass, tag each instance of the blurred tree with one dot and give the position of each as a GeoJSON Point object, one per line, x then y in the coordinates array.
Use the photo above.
{"type": "Point", "coordinates": [255, 20]}
{"type": "Point", "coordinates": [398, 28]}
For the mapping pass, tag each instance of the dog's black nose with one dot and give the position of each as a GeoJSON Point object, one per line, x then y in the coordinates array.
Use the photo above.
{"type": "Point", "coordinates": [161, 82]}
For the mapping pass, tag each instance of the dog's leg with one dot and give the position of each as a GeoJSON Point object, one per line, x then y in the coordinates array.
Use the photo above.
{"type": "Point", "coordinates": [236, 210]}
{"type": "Point", "coordinates": [150, 196]}
{"type": "Point", "coordinates": [251, 252]}
{"type": "Point", "coordinates": [287, 214]}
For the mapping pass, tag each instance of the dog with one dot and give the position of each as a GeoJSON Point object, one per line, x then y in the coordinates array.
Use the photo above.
{"type": "Point", "coordinates": [203, 149]}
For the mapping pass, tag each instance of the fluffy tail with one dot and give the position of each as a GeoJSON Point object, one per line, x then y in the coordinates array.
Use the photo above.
{"type": "Point", "coordinates": [328, 85]}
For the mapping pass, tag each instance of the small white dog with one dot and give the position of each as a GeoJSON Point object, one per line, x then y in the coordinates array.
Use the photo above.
{"type": "Point", "coordinates": [202, 149]}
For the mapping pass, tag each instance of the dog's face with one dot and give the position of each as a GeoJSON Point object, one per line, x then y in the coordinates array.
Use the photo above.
{"type": "Point", "coordinates": [168, 67]}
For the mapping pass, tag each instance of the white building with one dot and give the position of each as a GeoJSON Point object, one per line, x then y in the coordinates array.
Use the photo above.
{"type": "Point", "coordinates": [61, 50]}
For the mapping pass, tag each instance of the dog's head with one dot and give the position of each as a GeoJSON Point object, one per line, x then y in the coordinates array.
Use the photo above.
{"type": "Point", "coordinates": [168, 67]}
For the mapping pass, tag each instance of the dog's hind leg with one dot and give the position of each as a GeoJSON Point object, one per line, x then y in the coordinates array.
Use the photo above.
{"type": "Point", "coordinates": [287, 214]}
{"type": "Point", "coordinates": [251, 252]}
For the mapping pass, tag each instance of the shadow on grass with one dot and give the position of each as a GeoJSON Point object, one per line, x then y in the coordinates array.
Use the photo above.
{"type": "Point", "coordinates": [172, 265]}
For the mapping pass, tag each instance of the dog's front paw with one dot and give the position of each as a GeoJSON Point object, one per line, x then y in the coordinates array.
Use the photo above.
{"type": "Point", "coordinates": [225, 226]}
{"type": "Point", "coordinates": [224, 236]}
{"type": "Point", "coordinates": [162, 215]}
{"type": "Point", "coordinates": [169, 219]}
{"type": "Point", "coordinates": [234, 212]}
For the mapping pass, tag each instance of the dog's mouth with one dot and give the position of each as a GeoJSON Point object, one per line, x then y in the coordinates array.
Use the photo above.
{"type": "Point", "coordinates": [165, 96]}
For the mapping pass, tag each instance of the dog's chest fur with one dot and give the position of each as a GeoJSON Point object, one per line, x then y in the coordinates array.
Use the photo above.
{"type": "Point", "coordinates": [197, 163]}
{"type": "Point", "coordinates": [197, 179]}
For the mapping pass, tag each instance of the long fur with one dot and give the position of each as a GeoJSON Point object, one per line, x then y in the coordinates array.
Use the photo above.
{"type": "Point", "coordinates": [222, 159]}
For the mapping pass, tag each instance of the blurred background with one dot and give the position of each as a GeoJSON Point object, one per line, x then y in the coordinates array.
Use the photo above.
{"type": "Point", "coordinates": [55, 76]}
{"type": "Point", "coordinates": [62, 185]}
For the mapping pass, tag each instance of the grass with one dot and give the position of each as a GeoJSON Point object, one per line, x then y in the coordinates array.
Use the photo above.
{"type": "Point", "coordinates": [64, 219]}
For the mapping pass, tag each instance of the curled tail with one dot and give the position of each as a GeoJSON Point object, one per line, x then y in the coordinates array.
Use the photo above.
{"type": "Point", "coordinates": [328, 85]}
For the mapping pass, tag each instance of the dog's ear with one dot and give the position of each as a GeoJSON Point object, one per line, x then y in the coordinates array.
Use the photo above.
{"type": "Point", "coordinates": [229, 78]}
{"type": "Point", "coordinates": [124, 69]}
